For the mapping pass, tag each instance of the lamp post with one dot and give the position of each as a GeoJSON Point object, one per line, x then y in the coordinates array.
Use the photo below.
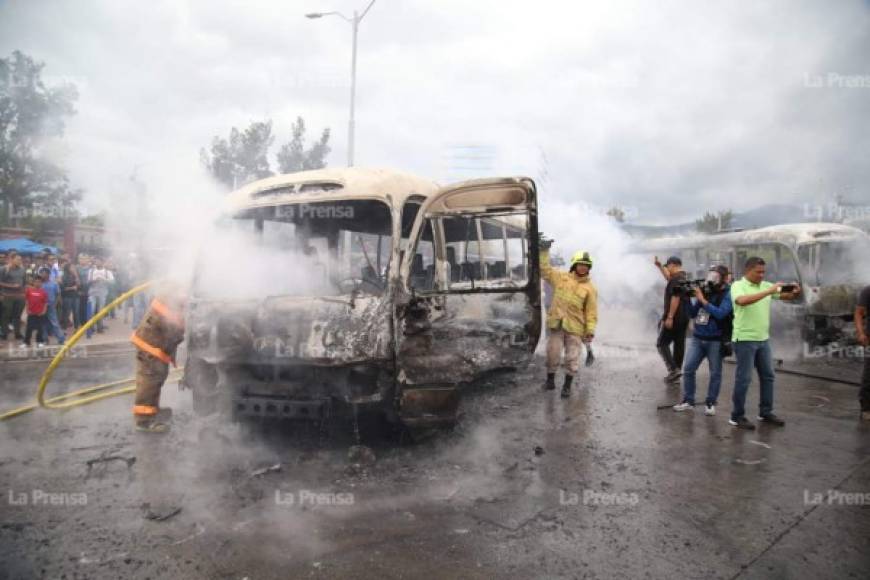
{"type": "Point", "coordinates": [354, 21]}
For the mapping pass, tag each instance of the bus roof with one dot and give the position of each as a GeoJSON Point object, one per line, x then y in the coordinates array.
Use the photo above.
{"type": "Point", "coordinates": [789, 234]}
{"type": "Point", "coordinates": [393, 187]}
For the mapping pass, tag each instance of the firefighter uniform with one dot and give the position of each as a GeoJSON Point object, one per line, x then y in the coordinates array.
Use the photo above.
{"type": "Point", "coordinates": [156, 339]}
{"type": "Point", "coordinates": [573, 313]}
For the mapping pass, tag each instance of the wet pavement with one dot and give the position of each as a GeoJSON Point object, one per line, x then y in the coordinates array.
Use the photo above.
{"type": "Point", "coordinates": [601, 485]}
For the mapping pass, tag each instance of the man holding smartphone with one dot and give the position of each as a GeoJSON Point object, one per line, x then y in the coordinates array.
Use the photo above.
{"type": "Point", "coordinates": [751, 296]}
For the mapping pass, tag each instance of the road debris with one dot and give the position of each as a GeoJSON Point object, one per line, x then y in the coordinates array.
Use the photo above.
{"type": "Point", "coordinates": [760, 443]}
{"type": "Point", "coordinates": [160, 514]}
{"type": "Point", "coordinates": [749, 461]}
{"type": "Point", "coordinates": [107, 458]}
{"type": "Point", "coordinates": [271, 469]}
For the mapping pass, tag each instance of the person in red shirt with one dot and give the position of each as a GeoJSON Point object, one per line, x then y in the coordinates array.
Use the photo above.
{"type": "Point", "coordinates": [36, 299]}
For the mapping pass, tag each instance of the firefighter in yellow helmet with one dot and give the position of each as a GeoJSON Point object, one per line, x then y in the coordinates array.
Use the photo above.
{"type": "Point", "coordinates": [572, 316]}
{"type": "Point", "coordinates": [156, 340]}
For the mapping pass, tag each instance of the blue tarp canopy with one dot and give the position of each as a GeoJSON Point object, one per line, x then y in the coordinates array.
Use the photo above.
{"type": "Point", "coordinates": [25, 246]}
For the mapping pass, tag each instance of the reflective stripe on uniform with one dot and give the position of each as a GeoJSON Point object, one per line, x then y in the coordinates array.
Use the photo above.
{"type": "Point", "coordinates": [164, 311]}
{"type": "Point", "coordinates": [144, 410]}
{"type": "Point", "coordinates": [150, 349]}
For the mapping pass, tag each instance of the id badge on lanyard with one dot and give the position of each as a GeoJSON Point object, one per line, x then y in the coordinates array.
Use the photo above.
{"type": "Point", "coordinates": [702, 318]}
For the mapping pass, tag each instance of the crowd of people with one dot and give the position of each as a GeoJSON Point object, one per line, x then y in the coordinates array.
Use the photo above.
{"type": "Point", "coordinates": [726, 316]}
{"type": "Point", "coordinates": [732, 317]}
{"type": "Point", "coordinates": [51, 296]}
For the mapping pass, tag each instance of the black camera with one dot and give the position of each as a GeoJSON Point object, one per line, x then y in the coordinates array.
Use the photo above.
{"type": "Point", "coordinates": [687, 287]}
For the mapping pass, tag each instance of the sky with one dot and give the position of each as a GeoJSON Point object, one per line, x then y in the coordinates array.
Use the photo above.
{"type": "Point", "coordinates": [666, 109]}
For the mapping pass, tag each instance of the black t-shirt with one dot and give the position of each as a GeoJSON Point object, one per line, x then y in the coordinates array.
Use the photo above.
{"type": "Point", "coordinates": [864, 300]}
{"type": "Point", "coordinates": [682, 315]}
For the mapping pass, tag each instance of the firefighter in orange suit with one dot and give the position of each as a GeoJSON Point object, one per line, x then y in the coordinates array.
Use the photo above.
{"type": "Point", "coordinates": [156, 339]}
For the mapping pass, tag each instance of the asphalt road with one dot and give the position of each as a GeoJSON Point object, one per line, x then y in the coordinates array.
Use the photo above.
{"type": "Point", "coordinates": [616, 489]}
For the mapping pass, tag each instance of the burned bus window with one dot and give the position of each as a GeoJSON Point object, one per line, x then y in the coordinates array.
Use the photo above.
{"type": "Point", "coordinates": [486, 251]}
{"type": "Point", "coordinates": [423, 262]}
{"type": "Point", "coordinates": [844, 262]}
{"type": "Point", "coordinates": [315, 249]}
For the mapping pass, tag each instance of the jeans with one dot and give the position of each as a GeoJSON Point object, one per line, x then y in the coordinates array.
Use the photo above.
{"type": "Point", "coordinates": [35, 322]}
{"type": "Point", "coordinates": [52, 326]}
{"type": "Point", "coordinates": [69, 307]}
{"type": "Point", "coordinates": [12, 309]}
{"type": "Point", "coordinates": [82, 310]}
{"type": "Point", "coordinates": [140, 306]}
{"type": "Point", "coordinates": [753, 354]}
{"type": "Point", "coordinates": [864, 393]}
{"type": "Point", "coordinates": [677, 336]}
{"type": "Point", "coordinates": [698, 351]}
{"type": "Point", "coordinates": [96, 302]}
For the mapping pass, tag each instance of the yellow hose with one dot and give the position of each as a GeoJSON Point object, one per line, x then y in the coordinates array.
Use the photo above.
{"type": "Point", "coordinates": [55, 402]}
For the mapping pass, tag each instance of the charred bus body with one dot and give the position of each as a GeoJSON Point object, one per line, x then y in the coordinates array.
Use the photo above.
{"type": "Point", "coordinates": [829, 261]}
{"type": "Point", "coordinates": [378, 290]}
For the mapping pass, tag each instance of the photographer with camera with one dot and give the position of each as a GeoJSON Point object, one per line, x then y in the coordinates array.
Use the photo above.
{"type": "Point", "coordinates": [711, 311]}
{"type": "Point", "coordinates": [675, 318]}
{"type": "Point", "coordinates": [572, 315]}
{"type": "Point", "coordinates": [751, 297]}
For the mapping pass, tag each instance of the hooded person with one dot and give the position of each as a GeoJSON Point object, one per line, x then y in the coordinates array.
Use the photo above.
{"type": "Point", "coordinates": [156, 339]}
{"type": "Point", "coordinates": [572, 315]}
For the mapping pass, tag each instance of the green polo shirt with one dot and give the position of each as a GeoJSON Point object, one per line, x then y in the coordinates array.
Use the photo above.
{"type": "Point", "coordinates": [751, 322]}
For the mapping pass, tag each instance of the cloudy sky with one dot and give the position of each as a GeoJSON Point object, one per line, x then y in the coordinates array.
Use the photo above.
{"type": "Point", "coordinates": [665, 108]}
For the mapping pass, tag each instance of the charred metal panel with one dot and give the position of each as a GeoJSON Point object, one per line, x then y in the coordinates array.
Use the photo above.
{"type": "Point", "coordinates": [429, 407]}
{"type": "Point", "coordinates": [455, 337]}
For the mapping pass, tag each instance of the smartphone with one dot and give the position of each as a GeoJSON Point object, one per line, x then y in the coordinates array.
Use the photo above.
{"type": "Point", "coordinates": [789, 288]}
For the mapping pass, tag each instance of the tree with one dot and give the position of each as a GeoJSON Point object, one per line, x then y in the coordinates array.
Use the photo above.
{"type": "Point", "coordinates": [294, 157]}
{"type": "Point", "coordinates": [712, 223]}
{"type": "Point", "coordinates": [30, 114]}
{"type": "Point", "coordinates": [617, 214]}
{"type": "Point", "coordinates": [243, 157]}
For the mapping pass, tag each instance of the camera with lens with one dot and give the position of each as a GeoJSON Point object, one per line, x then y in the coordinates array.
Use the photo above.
{"type": "Point", "coordinates": [687, 287]}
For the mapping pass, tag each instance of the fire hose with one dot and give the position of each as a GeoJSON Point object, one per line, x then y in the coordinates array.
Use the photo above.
{"type": "Point", "coordinates": [90, 394]}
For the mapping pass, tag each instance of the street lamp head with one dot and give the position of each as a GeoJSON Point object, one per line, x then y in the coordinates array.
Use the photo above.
{"type": "Point", "coordinates": [314, 15]}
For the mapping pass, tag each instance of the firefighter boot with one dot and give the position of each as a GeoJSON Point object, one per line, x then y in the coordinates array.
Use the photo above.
{"type": "Point", "coordinates": [551, 382]}
{"type": "Point", "coordinates": [566, 387]}
{"type": "Point", "coordinates": [158, 423]}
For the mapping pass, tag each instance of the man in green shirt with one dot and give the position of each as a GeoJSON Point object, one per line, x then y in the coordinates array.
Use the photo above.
{"type": "Point", "coordinates": [751, 296]}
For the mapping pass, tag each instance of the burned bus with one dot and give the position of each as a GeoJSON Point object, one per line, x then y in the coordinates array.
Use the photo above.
{"type": "Point", "coordinates": [343, 289]}
{"type": "Point", "coordinates": [829, 261]}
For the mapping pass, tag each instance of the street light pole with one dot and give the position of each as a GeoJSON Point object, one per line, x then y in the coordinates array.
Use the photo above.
{"type": "Point", "coordinates": [351, 124]}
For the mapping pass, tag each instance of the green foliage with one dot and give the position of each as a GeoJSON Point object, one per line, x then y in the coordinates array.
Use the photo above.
{"type": "Point", "coordinates": [617, 214]}
{"type": "Point", "coordinates": [244, 156]}
{"type": "Point", "coordinates": [241, 158]}
{"type": "Point", "coordinates": [294, 157]}
{"type": "Point", "coordinates": [712, 223]}
{"type": "Point", "coordinates": [30, 115]}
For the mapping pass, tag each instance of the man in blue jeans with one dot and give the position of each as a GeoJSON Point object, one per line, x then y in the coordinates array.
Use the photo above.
{"type": "Point", "coordinates": [751, 296]}
{"type": "Point", "coordinates": [711, 312]}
